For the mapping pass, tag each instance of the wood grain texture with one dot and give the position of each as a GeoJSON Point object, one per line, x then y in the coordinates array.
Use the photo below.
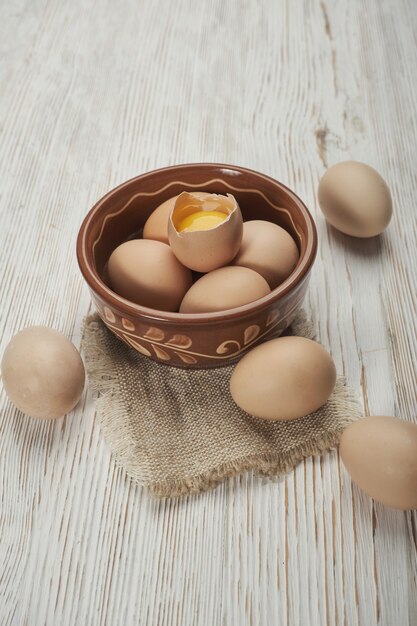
{"type": "Point", "coordinates": [93, 93]}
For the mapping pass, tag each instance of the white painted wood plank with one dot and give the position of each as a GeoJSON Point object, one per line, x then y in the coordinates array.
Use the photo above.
{"type": "Point", "coordinates": [90, 96]}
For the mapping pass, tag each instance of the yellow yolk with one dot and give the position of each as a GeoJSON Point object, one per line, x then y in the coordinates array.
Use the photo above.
{"type": "Point", "coordinates": [201, 220]}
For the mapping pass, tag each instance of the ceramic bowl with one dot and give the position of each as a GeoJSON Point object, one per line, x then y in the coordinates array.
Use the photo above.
{"type": "Point", "coordinates": [194, 340]}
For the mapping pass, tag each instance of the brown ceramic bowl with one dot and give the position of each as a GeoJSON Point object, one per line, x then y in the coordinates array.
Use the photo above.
{"type": "Point", "coordinates": [194, 340]}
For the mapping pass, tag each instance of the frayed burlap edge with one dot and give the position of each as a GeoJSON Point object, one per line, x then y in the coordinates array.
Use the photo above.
{"type": "Point", "coordinates": [109, 408]}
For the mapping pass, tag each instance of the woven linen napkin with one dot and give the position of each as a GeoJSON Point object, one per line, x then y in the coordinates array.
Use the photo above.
{"type": "Point", "coordinates": [179, 432]}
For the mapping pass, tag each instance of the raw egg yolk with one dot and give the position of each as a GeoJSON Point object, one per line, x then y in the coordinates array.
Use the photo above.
{"type": "Point", "coordinates": [201, 220]}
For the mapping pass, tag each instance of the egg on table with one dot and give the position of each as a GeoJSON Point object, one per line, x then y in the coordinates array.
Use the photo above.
{"type": "Point", "coordinates": [355, 199]}
{"type": "Point", "coordinates": [283, 379]}
{"type": "Point", "coordinates": [205, 233]}
{"type": "Point", "coordinates": [156, 226]}
{"type": "Point", "coordinates": [269, 250]}
{"type": "Point", "coordinates": [224, 288]}
{"type": "Point", "coordinates": [148, 273]}
{"type": "Point", "coordinates": [380, 454]}
{"type": "Point", "coordinates": [42, 372]}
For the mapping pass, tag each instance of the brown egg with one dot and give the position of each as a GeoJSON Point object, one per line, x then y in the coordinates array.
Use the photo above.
{"type": "Point", "coordinates": [269, 250]}
{"type": "Point", "coordinates": [355, 199]}
{"type": "Point", "coordinates": [148, 273]}
{"type": "Point", "coordinates": [380, 454]}
{"type": "Point", "coordinates": [42, 372]}
{"type": "Point", "coordinates": [224, 288]}
{"type": "Point", "coordinates": [205, 234]}
{"type": "Point", "coordinates": [283, 379]}
{"type": "Point", "coordinates": [156, 226]}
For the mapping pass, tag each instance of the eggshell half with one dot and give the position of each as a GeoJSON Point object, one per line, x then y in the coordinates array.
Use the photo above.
{"type": "Point", "coordinates": [148, 273]}
{"type": "Point", "coordinates": [283, 379]}
{"type": "Point", "coordinates": [224, 288]}
{"type": "Point", "coordinates": [269, 250]}
{"type": "Point", "coordinates": [380, 454]}
{"type": "Point", "coordinates": [42, 372]}
{"type": "Point", "coordinates": [206, 250]}
{"type": "Point", "coordinates": [156, 226]}
{"type": "Point", "coordinates": [355, 199]}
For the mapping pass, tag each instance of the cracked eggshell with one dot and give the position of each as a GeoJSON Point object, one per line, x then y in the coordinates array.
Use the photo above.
{"type": "Point", "coordinates": [206, 250]}
{"type": "Point", "coordinates": [156, 226]}
{"type": "Point", "coordinates": [42, 372]}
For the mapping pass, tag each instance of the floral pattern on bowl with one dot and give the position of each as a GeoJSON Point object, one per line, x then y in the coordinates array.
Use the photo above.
{"type": "Point", "coordinates": [194, 340]}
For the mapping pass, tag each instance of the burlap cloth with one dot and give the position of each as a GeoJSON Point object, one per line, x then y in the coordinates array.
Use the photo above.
{"type": "Point", "coordinates": [179, 432]}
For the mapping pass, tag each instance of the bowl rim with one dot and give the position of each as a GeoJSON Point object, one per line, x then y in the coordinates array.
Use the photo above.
{"type": "Point", "coordinates": [130, 308]}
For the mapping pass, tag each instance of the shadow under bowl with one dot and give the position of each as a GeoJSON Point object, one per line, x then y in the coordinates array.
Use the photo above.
{"type": "Point", "coordinates": [200, 340]}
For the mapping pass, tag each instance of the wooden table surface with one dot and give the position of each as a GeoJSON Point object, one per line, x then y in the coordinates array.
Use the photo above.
{"type": "Point", "coordinates": [93, 93]}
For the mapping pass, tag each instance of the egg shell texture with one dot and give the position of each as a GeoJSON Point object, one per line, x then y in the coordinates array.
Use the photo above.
{"type": "Point", "coordinates": [224, 288]}
{"type": "Point", "coordinates": [156, 226]}
{"type": "Point", "coordinates": [380, 454]}
{"type": "Point", "coordinates": [355, 199]}
{"type": "Point", "coordinates": [206, 250]}
{"type": "Point", "coordinates": [269, 250]}
{"type": "Point", "coordinates": [148, 273]}
{"type": "Point", "coordinates": [283, 379]}
{"type": "Point", "coordinates": [42, 372]}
